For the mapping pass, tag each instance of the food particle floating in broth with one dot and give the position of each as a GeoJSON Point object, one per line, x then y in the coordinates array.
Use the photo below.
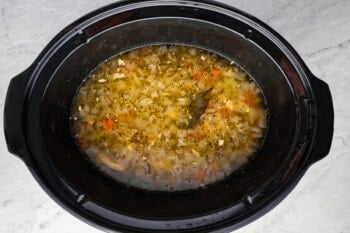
{"type": "Point", "coordinates": [168, 118]}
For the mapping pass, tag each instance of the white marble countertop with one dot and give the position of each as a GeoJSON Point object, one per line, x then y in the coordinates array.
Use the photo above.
{"type": "Point", "coordinates": [318, 29]}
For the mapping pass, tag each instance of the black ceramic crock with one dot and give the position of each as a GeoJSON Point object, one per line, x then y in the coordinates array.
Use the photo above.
{"type": "Point", "coordinates": [37, 109]}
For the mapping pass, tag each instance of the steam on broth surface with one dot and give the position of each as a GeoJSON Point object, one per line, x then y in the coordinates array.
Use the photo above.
{"type": "Point", "coordinates": [168, 118]}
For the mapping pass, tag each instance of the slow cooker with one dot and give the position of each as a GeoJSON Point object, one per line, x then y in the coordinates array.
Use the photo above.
{"type": "Point", "coordinates": [37, 110]}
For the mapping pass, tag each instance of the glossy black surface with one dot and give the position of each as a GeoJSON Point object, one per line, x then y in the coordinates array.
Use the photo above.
{"type": "Point", "coordinates": [37, 122]}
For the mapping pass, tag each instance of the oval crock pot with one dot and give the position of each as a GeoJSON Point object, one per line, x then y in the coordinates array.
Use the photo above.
{"type": "Point", "coordinates": [37, 109]}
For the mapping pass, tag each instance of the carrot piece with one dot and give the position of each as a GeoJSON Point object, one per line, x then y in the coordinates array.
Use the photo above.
{"type": "Point", "coordinates": [82, 141]}
{"type": "Point", "coordinates": [249, 98]}
{"type": "Point", "coordinates": [197, 75]}
{"type": "Point", "coordinates": [128, 116]}
{"type": "Point", "coordinates": [189, 64]}
{"type": "Point", "coordinates": [215, 72]}
{"type": "Point", "coordinates": [107, 124]}
{"type": "Point", "coordinates": [225, 112]}
{"type": "Point", "coordinates": [200, 176]}
{"type": "Point", "coordinates": [197, 135]}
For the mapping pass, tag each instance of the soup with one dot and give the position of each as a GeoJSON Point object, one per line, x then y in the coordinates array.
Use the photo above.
{"type": "Point", "coordinates": [168, 118]}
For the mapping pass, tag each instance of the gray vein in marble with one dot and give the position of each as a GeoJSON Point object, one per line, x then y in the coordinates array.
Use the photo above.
{"type": "Point", "coordinates": [342, 140]}
{"type": "Point", "coordinates": [6, 202]}
{"type": "Point", "coordinates": [4, 23]}
{"type": "Point", "coordinates": [327, 50]}
{"type": "Point", "coordinates": [279, 13]}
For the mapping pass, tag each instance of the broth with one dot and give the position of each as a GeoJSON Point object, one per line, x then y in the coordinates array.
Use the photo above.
{"type": "Point", "coordinates": [168, 118]}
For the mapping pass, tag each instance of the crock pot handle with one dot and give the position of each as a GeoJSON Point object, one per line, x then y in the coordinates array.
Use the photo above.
{"type": "Point", "coordinates": [325, 120]}
{"type": "Point", "coordinates": [13, 115]}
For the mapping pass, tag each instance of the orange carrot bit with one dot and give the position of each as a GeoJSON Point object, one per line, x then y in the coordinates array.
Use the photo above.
{"type": "Point", "coordinates": [189, 64]}
{"type": "Point", "coordinates": [249, 98]}
{"type": "Point", "coordinates": [107, 124]}
{"type": "Point", "coordinates": [197, 135]}
{"type": "Point", "coordinates": [82, 141]}
{"type": "Point", "coordinates": [215, 72]}
{"type": "Point", "coordinates": [124, 116]}
{"type": "Point", "coordinates": [225, 112]}
{"type": "Point", "coordinates": [197, 75]}
{"type": "Point", "coordinates": [200, 176]}
{"type": "Point", "coordinates": [128, 116]}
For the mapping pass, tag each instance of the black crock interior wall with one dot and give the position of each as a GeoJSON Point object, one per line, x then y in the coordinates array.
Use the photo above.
{"type": "Point", "coordinates": [55, 113]}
